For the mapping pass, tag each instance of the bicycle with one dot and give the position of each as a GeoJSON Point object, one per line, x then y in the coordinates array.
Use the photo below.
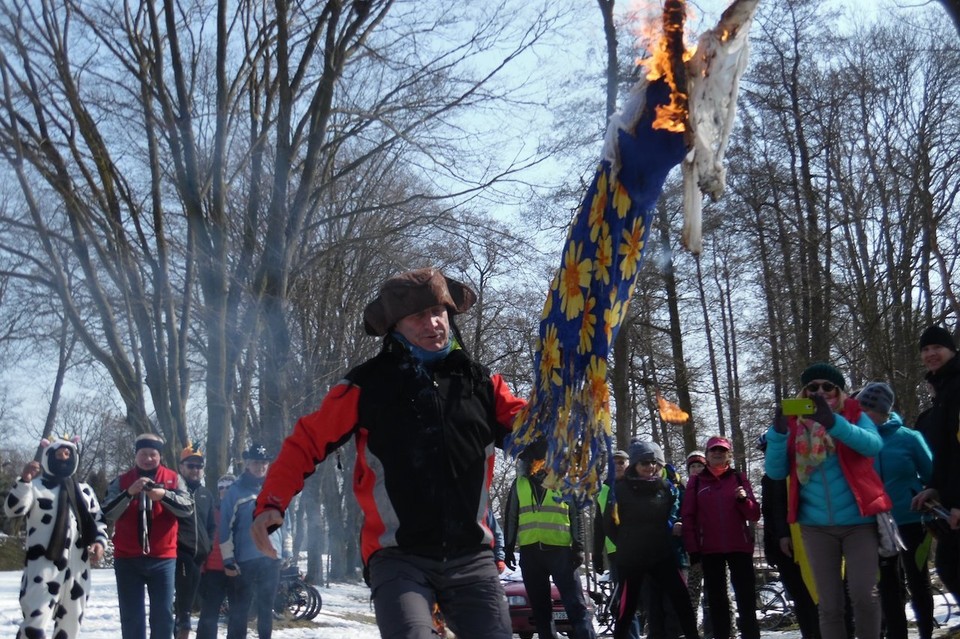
{"type": "Point", "coordinates": [605, 608]}
{"type": "Point", "coordinates": [295, 598]}
{"type": "Point", "coordinates": [774, 609]}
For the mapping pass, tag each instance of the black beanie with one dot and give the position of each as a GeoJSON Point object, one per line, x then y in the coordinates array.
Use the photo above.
{"type": "Point", "coordinates": [937, 335]}
{"type": "Point", "coordinates": [823, 370]}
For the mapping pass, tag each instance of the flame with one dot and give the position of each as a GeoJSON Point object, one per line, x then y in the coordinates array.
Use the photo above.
{"type": "Point", "coordinates": [668, 54]}
{"type": "Point", "coordinates": [670, 412]}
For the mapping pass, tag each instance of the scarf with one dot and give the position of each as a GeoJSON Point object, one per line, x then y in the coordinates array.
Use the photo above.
{"type": "Point", "coordinates": [68, 501]}
{"type": "Point", "coordinates": [812, 444]}
{"type": "Point", "coordinates": [424, 356]}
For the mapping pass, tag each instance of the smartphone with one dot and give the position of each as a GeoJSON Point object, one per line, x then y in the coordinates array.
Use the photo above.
{"type": "Point", "coordinates": [798, 407]}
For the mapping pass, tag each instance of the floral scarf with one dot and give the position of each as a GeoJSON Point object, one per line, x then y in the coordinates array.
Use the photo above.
{"type": "Point", "coordinates": [812, 444]}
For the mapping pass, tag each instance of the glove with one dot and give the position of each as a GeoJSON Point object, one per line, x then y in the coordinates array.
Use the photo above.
{"type": "Point", "coordinates": [501, 566]}
{"type": "Point", "coordinates": [578, 558]}
{"type": "Point", "coordinates": [231, 569]}
{"type": "Point", "coordinates": [694, 558]}
{"type": "Point", "coordinates": [509, 560]}
{"type": "Point", "coordinates": [780, 422]}
{"type": "Point", "coordinates": [823, 414]}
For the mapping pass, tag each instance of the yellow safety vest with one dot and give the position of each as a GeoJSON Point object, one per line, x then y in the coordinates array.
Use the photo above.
{"type": "Point", "coordinates": [608, 544]}
{"type": "Point", "coordinates": [547, 523]}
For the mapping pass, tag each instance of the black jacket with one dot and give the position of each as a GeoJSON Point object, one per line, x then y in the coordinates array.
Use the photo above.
{"type": "Point", "coordinates": [196, 531]}
{"type": "Point", "coordinates": [940, 427]}
{"type": "Point", "coordinates": [647, 510]}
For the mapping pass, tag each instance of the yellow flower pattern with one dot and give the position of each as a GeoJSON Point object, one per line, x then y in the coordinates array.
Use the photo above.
{"type": "Point", "coordinates": [574, 279]}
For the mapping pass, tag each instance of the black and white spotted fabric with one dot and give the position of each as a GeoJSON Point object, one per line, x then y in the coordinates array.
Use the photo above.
{"type": "Point", "coordinates": [52, 591]}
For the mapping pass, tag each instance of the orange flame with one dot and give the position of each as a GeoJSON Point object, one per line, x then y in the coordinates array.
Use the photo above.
{"type": "Point", "coordinates": [667, 57]}
{"type": "Point", "coordinates": [670, 412]}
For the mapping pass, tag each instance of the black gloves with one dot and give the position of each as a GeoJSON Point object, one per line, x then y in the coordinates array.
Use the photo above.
{"type": "Point", "coordinates": [823, 414]}
{"type": "Point", "coordinates": [780, 422]}
{"type": "Point", "coordinates": [509, 559]}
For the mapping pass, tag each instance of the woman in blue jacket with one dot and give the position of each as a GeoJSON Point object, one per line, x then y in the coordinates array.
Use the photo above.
{"type": "Point", "coordinates": [905, 464]}
{"type": "Point", "coordinates": [834, 493]}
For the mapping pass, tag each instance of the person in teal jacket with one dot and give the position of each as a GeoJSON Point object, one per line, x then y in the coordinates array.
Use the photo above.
{"type": "Point", "coordinates": [834, 493]}
{"type": "Point", "coordinates": [905, 464]}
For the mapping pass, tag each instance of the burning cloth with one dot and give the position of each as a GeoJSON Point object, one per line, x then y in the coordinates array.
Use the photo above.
{"type": "Point", "coordinates": [569, 405]}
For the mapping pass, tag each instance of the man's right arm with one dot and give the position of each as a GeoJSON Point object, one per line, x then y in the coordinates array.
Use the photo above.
{"type": "Point", "coordinates": [314, 437]}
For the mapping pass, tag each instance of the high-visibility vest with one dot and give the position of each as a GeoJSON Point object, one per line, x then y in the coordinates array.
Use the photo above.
{"type": "Point", "coordinates": [608, 544]}
{"type": "Point", "coordinates": [547, 523]}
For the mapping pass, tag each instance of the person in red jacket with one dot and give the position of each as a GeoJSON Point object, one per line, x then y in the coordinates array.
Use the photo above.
{"type": "Point", "coordinates": [214, 585]}
{"type": "Point", "coordinates": [717, 508]}
{"type": "Point", "coordinates": [144, 503]}
{"type": "Point", "coordinates": [426, 419]}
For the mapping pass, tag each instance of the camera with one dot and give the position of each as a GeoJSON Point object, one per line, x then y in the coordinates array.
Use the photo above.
{"type": "Point", "coordinates": [150, 485]}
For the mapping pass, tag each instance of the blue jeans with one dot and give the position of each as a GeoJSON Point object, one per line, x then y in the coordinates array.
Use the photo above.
{"type": "Point", "coordinates": [537, 565]}
{"type": "Point", "coordinates": [214, 587]}
{"type": "Point", "coordinates": [156, 575]}
{"type": "Point", "coordinates": [257, 581]}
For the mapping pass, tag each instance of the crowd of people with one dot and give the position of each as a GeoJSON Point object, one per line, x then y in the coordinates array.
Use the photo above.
{"type": "Point", "coordinates": [846, 490]}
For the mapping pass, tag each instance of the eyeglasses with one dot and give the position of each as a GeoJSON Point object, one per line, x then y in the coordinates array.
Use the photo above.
{"type": "Point", "coordinates": [813, 387]}
{"type": "Point", "coordinates": [194, 466]}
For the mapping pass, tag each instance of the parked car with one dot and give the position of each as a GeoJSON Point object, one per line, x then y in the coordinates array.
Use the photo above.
{"type": "Point", "coordinates": [521, 616]}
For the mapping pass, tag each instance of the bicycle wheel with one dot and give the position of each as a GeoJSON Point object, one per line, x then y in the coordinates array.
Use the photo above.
{"type": "Point", "coordinates": [942, 607]}
{"type": "Point", "coordinates": [772, 607]}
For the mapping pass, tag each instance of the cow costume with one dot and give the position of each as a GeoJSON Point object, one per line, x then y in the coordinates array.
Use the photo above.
{"type": "Point", "coordinates": [64, 528]}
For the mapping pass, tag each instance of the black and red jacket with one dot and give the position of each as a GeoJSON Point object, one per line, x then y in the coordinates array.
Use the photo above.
{"type": "Point", "coordinates": [425, 450]}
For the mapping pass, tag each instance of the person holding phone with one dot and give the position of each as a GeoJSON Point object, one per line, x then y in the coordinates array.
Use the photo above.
{"type": "Point", "coordinates": [834, 493]}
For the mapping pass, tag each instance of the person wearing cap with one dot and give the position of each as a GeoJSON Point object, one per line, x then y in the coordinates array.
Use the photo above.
{"type": "Point", "coordinates": [696, 463]}
{"type": "Point", "coordinates": [66, 532]}
{"type": "Point", "coordinates": [146, 503]}
{"type": "Point", "coordinates": [195, 534]}
{"type": "Point", "coordinates": [214, 585]}
{"type": "Point", "coordinates": [426, 419]}
{"type": "Point", "coordinates": [905, 465]}
{"type": "Point", "coordinates": [717, 509]}
{"type": "Point", "coordinates": [601, 541]}
{"type": "Point", "coordinates": [941, 427]}
{"type": "Point", "coordinates": [834, 495]}
{"type": "Point", "coordinates": [548, 533]}
{"type": "Point", "coordinates": [779, 551]}
{"type": "Point", "coordinates": [642, 522]}
{"type": "Point", "coordinates": [253, 574]}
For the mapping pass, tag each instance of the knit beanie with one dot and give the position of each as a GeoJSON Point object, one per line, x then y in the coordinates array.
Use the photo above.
{"type": "Point", "coordinates": [937, 335]}
{"type": "Point", "coordinates": [823, 370]}
{"type": "Point", "coordinates": [641, 450]}
{"type": "Point", "coordinates": [877, 397]}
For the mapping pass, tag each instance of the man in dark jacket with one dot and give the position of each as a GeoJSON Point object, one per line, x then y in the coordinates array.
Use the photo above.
{"type": "Point", "coordinates": [426, 419]}
{"type": "Point", "coordinates": [938, 352]}
{"type": "Point", "coordinates": [549, 534]}
{"type": "Point", "coordinates": [194, 538]}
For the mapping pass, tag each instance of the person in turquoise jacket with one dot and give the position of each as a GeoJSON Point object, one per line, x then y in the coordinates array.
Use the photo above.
{"type": "Point", "coordinates": [834, 494]}
{"type": "Point", "coordinates": [905, 464]}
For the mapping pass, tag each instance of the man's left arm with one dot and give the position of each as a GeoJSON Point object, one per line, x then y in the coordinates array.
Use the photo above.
{"type": "Point", "coordinates": [178, 501]}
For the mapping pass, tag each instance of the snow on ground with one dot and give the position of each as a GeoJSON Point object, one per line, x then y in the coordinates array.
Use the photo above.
{"type": "Point", "coordinates": [346, 612]}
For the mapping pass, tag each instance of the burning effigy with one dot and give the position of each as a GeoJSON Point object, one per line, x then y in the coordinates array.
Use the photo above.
{"type": "Point", "coordinates": [682, 111]}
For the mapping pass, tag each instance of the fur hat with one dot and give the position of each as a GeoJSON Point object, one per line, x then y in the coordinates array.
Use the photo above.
{"type": "Point", "coordinates": [412, 292]}
{"type": "Point", "coordinates": [256, 452]}
{"type": "Point", "coordinates": [877, 397]}
{"type": "Point", "coordinates": [937, 335]}
{"type": "Point", "coordinates": [643, 450]}
{"type": "Point", "coordinates": [823, 370]}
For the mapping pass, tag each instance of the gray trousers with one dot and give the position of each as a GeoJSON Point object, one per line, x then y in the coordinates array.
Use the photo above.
{"type": "Point", "coordinates": [827, 547]}
{"type": "Point", "coordinates": [467, 589]}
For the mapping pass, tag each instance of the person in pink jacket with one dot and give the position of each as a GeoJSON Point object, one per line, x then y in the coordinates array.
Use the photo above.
{"type": "Point", "coordinates": [716, 510]}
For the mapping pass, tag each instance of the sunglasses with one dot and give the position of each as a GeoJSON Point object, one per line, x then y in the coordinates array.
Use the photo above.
{"type": "Point", "coordinates": [194, 466]}
{"type": "Point", "coordinates": [647, 463]}
{"type": "Point", "coordinates": [813, 387]}
{"type": "Point", "coordinates": [715, 449]}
